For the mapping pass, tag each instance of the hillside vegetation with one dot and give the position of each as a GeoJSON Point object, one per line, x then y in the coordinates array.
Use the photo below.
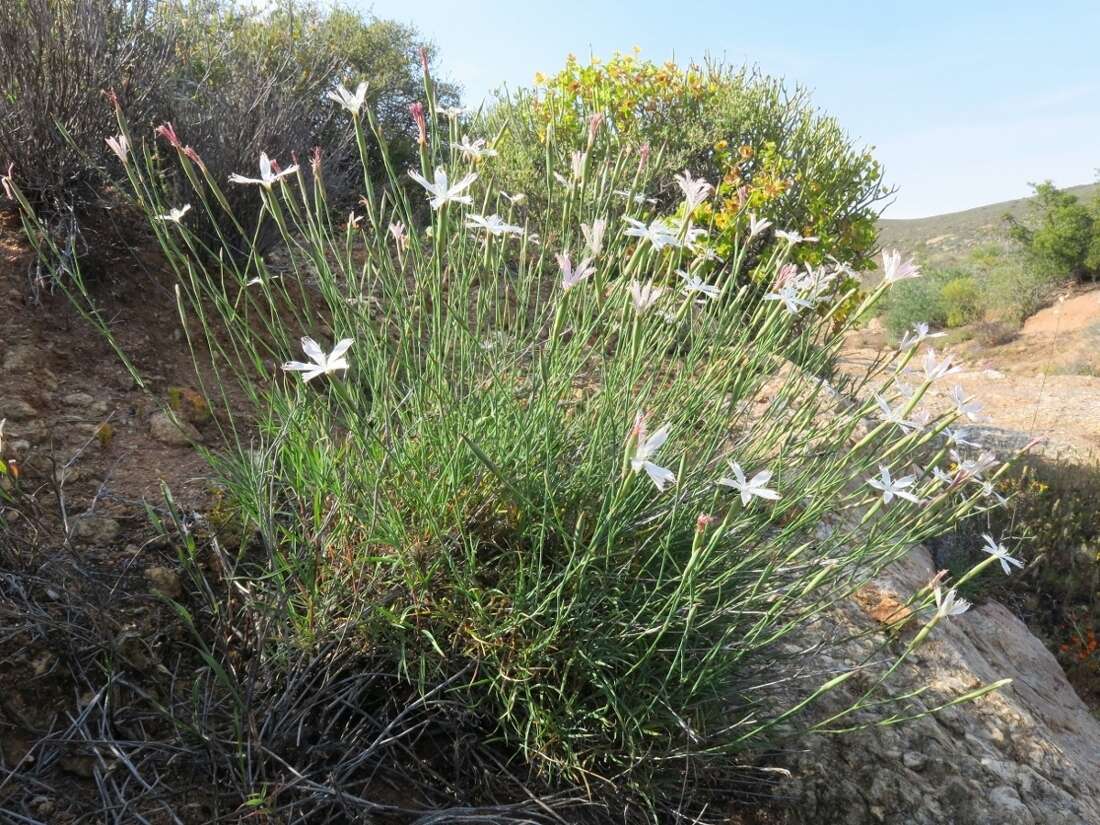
{"type": "Point", "coordinates": [948, 239]}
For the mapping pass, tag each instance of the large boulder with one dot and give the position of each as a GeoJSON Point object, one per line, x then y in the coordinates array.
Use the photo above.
{"type": "Point", "coordinates": [1028, 754]}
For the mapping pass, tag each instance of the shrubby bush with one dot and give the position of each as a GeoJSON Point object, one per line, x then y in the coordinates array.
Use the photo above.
{"type": "Point", "coordinates": [56, 60]}
{"type": "Point", "coordinates": [961, 300]}
{"type": "Point", "coordinates": [230, 79]}
{"type": "Point", "coordinates": [1060, 235]}
{"type": "Point", "coordinates": [517, 539]}
{"type": "Point", "coordinates": [919, 301]}
{"type": "Point", "coordinates": [768, 150]}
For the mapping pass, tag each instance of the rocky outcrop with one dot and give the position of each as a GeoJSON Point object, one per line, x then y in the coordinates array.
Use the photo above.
{"type": "Point", "coordinates": [1028, 754]}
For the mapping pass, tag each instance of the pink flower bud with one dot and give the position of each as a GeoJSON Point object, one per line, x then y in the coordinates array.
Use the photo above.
{"type": "Point", "coordinates": [168, 132]}
{"type": "Point", "coordinates": [416, 109]}
{"type": "Point", "coordinates": [704, 521]}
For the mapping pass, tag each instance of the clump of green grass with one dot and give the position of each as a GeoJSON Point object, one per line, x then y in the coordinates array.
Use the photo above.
{"type": "Point", "coordinates": [548, 474]}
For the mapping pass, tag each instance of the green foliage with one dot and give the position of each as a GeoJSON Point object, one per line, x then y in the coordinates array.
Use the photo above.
{"type": "Point", "coordinates": [56, 59]}
{"type": "Point", "coordinates": [232, 80]}
{"type": "Point", "coordinates": [961, 301]}
{"type": "Point", "coordinates": [1060, 235]}
{"type": "Point", "coordinates": [1012, 288]}
{"type": "Point", "coordinates": [1052, 508]}
{"type": "Point", "coordinates": [767, 148]}
{"type": "Point", "coordinates": [515, 499]}
{"type": "Point", "coordinates": [918, 301]}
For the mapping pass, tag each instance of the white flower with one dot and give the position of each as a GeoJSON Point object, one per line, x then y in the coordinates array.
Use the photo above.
{"type": "Point", "coordinates": [920, 333]}
{"type": "Point", "coordinates": [948, 604]}
{"type": "Point", "coordinates": [400, 236]}
{"type": "Point", "coordinates": [893, 416]}
{"type": "Point", "coordinates": [757, 225]}
{"type": "Point", "coordinates": [974, 467]}
{"type": "Point", "coordinates": [473, 151]}
{"type": "Point", "coordinates": [516, 199]}
{"type": "Point", "coordinates": [657, 233]}
{"type": "Point", "coordinates": [352, 102]}
{"type": "Point", "coordinates": [644, 295]}
{"type": "Point", "coordinates": [452, 112]}
{"type": "Point", "coordinates": [322, 364]}
{"type": "Point", "coordinates": [175, 215]}
{"type": "Point", "coordinates": [891, 487]}
{"type": "Point", "coordinates": [793, 238]}
{"type": "Point", "coordinates": [696, 190]}
{"type": "Point", "coordinates": [790, 299]}
{"type": "Point", "coordinates": [942, 476]}
{"type": "Point", "coordinates": [989, 491]}
{"type": "Point", "coordinates": [441, 192]}
{"type": "Point", "coordinates": [644, 448]}
{"type": "Point", "coordinates": [638, 199]}
{"type": "Point", "coordinates": [494, 225]}
{"type": "Point", "coordinates": [965, 406]}
{"type": "Point", "coordinates": [576, 164]}
{"type": "Point", "coordinates": [120, 145]}
{"type": "Point", "coordinates": [268, 176]}
{"type": "Point", "coordinates": [571, 276]}
{"type": "Point", "coordinates": [956, 437]}
{"type": "Point", "coordinates": [998, 551]}
{"type": "Point", "coordinates": [935, 369]}
{"type": "Point", "coordinates": [693, 283]}
{"type": "Point", "coordinates": [894, 269]}
{"type": "Point", "coordinates": [750, 487]}
{"type": "Point", "coordinates": [593, 235]}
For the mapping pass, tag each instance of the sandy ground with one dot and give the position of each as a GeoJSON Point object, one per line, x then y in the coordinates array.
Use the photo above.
{"type": "Point", "coordinates": [1045, 383]}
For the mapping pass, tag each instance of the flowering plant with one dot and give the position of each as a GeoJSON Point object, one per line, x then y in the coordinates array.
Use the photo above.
{"type": "Point", "coordinates": [584, 508]}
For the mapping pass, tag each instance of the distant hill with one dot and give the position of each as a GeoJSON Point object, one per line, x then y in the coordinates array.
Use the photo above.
{"type": "Point", "coordinates": [946, 239]}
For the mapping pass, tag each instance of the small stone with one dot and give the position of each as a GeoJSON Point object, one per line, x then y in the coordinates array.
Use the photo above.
{"type": "Point", "coordinates": [132, 549]}
{"type": "Point", "coordinates": [17, 410]}
{"type": "Point", "coordinates": [914, 760]}
{"type": "Point", "coordinates": [78, 399]}
{"type": "Point", "coordinates": [43, 806]}
{"type": "Point", "coordinates": [97, 530]}
{"type": "Point", "coordinates": [165, 581]}
{"type": "Point", "coordinates": [167, 430]}
{"type": "Point", "coordinates": [22, 358]}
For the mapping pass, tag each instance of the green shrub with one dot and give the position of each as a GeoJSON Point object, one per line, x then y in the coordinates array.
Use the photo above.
{"type": "Point", "coordinates": [918, 301]}
{"type": "Point", "coordinates": [232, 80]}
{"type": "Point", "coordinates": [57, 59]}
{"type": "Point", "coordinates": [1013, 288]}
{"type": "Point", "coordinates": [1060, 234]}
{"type": "Point", "coordinates": [505, 505]}
{"type": "Point", "coordinates": [765, 145]}
{"type": "Point", "coordinates": [961, 301]}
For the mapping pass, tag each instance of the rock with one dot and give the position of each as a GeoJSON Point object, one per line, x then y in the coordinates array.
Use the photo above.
{"type": "Point", "coordinates": [914, 760]}
{"type": "Point", "coordinates": [97, 530]}
{"type": "Point", "coordinates": [1028, 754]}
{"type": "Point", "coordinates": [43, 806]}
{"type": "Point", "coordinates": [82, 766]}
{"type": "Point", "coordinates": [17, 410]}
{"type": "Point", "coordinates": [167, 430]}
{"type": "Point", "coordinates": [22, 358]}
{"type": "Point", "coordinates": [165, 581]}
{"type": "Point", "coordinates": [78, 399]}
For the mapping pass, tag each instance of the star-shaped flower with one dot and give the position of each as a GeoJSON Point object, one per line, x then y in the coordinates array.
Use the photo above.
{"type": "Point", "coordinates": [175, 215]}
{"type": "Point", "coordinates": [750, 488]}
{"type": "Point", "coordinates": [353, 102]}
{"type": "Point", "coordinates": [268, 176]}
{"type": "Point", "coordinates": [644, 448]}
{"type": "Point", "coordinates": [322, 364]}
{"type": "Point", "coordinates": [894, 269]}
{"type": "Point", "coordinates": [891, 487]}
{"type": "Point", "coordinates": [441, 191]}
{"type": "Point", "coordinates": [999, 552]}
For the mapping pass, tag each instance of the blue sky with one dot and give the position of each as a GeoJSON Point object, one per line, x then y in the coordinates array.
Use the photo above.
{"type": "Point", "coordinates": [965, 101]}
